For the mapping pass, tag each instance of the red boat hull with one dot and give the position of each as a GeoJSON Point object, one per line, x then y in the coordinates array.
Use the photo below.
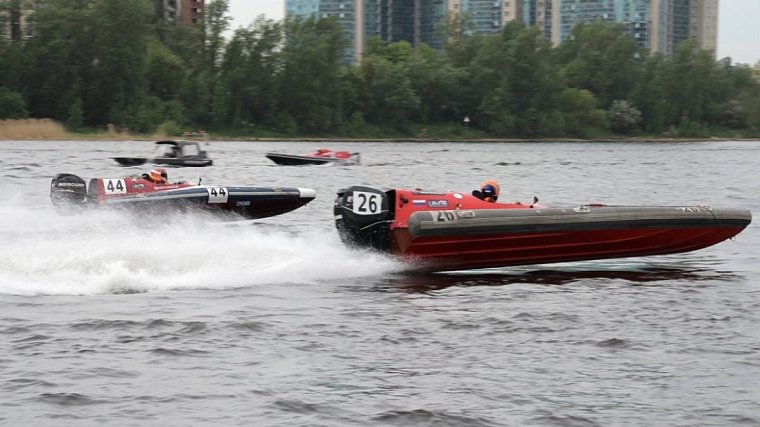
{"type": "Point", "coordinates": [457, 231]}
{"type": "Point", "coordinates": [500, 250]}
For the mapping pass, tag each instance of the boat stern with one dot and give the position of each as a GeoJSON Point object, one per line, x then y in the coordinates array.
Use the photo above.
{"type": "Point", "coordinates": [363, 216]}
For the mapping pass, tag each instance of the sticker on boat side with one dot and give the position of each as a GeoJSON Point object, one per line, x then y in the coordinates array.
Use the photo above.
{"type": "Point", "coordinates": [438, 203]}
{"type": "Point", "coordinates": [217, 194]}
{"type": "Point", "coordinates": [114, 186]}
{"type": "Point", "coordinates": [444, 216]}
{"type": "Point", "coordinates": [367, 203]}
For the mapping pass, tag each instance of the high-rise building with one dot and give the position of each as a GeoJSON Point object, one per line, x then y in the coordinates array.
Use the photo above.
{"type": "Point", "coordinates": [634, 14]}
{"type": "Point", "coordinates": [703, 23]}
{"type": "Point", "coordinates": [14, 15]}
{"type": "Point", "coordinates": [657, 25]}
{"type": "Point", "coordinates": [192, 11]}
{"type": "Point", "coordinates": [484, 16]}
{"type": "Point", "coordinates": [185, 12]}
{"type": "Point", "coordinates": [350, 15]}
{"type": "Point", "coordinates": [414, 21]}
{"type": "Point", "coordinates": [14, 18]}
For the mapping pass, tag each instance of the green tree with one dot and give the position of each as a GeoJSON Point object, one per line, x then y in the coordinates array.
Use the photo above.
{"type": "Point", "coordinates": [516, 83]}
{"type": "Point", "coordinates": [437, 83]}
{"type": "Point", "coordinates": [216, 22]}
{"type": "Point", "coordinates": [248, 93]}
{"type": "Point", "coordinates": [390, 98]}
{"type": "Point", "coordinates": [648, 95]}
{"type": "Point", "coordinates": [312, 60]}
{"type": "Point", "coordinates": [75, 119]}
{"type": "Point", "coordinates": [164, 71]}
{"type": "Point", "coordinates": [59, 58]}
{"type": "Point", "coordinates": [580, 116]}
{"type": "Point", "coordinates": [12, 105]}
{"type": "Point", "coordinates": [602, 59]}
{"type": "Point", "coordinates": [120, 29]}
{"type": "Point", "coordinates": [623, 117]}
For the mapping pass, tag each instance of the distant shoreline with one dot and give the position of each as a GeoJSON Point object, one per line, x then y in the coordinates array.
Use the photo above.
{"type": "Point", "coordinates": [133, 138]}
{"type": "Point", "coordinates": [48, 130]}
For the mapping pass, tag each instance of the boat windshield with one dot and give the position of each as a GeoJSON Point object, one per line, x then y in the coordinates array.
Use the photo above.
{"type": "Point", "coordinates": [167, 150]}
{"type": "Point", "coordinates": [191, 150]}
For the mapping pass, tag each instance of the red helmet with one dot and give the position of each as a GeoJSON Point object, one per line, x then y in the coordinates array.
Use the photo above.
{"type": "Point", "coordinates": [158, 175]}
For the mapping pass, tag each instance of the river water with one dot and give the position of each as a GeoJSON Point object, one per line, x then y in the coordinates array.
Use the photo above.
{"type": "Point", "coordinates": [177, 320]}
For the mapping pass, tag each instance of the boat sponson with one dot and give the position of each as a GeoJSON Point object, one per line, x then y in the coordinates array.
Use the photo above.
{"type": "Point", "coordinates": [518, 221]}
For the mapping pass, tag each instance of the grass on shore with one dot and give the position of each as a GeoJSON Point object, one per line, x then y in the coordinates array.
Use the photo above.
{"type": "Point", "coordinates": [46, 129]}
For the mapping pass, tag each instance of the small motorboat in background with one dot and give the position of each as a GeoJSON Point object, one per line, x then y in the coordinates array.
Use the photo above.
{"type": "Point", "coordinates": [172, 153]}
{"type": "Point", "coordinates": [446, 231]}
{"type": "Point", "coordinates": [68, 191]}
{"type": "Point", "coordinates": [319, 157]}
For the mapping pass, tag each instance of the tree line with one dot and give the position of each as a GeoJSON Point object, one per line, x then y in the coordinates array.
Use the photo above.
{"type": "Point", "coordinates": [98, 62]}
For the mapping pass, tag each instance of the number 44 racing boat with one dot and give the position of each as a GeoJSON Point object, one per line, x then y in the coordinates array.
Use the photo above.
{"type": "Point", "coordinates": [70, 191]}
{"type": "Point", "coordinates": [456, 231]}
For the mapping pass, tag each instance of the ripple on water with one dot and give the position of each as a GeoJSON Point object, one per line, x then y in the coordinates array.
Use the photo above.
{"type": "Point", "coordinates": [161, 351]}
{"type": "Point", "coordinates": [69, 399]}
{"type": "Point", "coordinates": [421, 417]}
{"type": "Point", "coordinates": [563, 421]}
{"type": "Point", "coordinates": [17, 384]}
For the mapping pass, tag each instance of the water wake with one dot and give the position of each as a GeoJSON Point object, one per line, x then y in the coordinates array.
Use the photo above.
{"type": "Point", "coordinates": [97, 252]}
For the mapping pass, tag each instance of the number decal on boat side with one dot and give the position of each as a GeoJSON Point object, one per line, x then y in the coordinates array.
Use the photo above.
{"type": "Point", "coordinates": [115, 186]}
{"type": "Point", "coordinates": [217, 194]}
{"type": "Point", "coordinates": [444, 216]}
{"type": "Point", "coordinates": [367, 203]}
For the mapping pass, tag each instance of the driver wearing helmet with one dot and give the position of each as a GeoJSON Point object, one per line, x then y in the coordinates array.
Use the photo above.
{"type": "Point", "coordinates": [157, 176]}
{"type": "Point", "coordinates": [489, 191]}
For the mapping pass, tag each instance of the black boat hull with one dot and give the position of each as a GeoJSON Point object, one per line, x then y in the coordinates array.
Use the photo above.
{"type": "Point", "coordinates": [246, 202]}
{"type": "Point", "coordinates": [295, 160]}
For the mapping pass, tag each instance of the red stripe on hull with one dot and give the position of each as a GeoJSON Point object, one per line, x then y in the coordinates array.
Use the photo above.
{"type": "Point", "coordinates": [499, 250]}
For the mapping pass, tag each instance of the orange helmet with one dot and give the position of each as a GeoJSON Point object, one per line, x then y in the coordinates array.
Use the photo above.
{"type": "Point", "coordinates": [490, 188]}
{"type": "Point", "coordinates": [158, 175]}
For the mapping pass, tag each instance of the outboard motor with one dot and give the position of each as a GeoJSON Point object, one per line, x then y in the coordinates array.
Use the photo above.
{"type": "Point", "coordinates": [68, 190]}
{"type": "Point", "coordinates": [363, 216]}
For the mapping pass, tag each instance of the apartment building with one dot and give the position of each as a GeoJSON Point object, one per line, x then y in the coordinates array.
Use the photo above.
{"type": "Point", "coordinates": [186, 12]}
{"type": "Point", "coordinates": [14, 18]}
{"type": "Point", "coordinates": [656, 25]}
{"type": "Point", "coordinates": [14, 15]}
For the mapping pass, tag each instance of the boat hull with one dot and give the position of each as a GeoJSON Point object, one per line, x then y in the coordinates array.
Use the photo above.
{"type": "Point", "coordinates": [296, 160]}
{"type": "Point", "coordinates": [131, 161]}
{"type": "Point", "coordinates": [140, 195]}
{"type": "Point", "coordinates": [172, 153]}
{"type": "Point", "coordinates": [196, 162]}
{"type": "Point", "coordinates": [483, 239]}
{"type": "Point", "coordinates": [245, 202]}
{"type": "Point", "coordinates": [455, 231]}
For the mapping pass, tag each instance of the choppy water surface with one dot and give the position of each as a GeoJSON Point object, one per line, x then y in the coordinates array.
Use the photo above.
{"type": "Point", "coordinates": [176, 321]}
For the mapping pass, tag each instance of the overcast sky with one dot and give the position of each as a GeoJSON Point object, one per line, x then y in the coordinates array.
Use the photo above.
{"type": "Point", "coordinates": [738, 27]}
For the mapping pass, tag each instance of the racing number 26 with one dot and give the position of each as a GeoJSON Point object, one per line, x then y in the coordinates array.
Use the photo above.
{"type": "Point", "coordinates": [367, 203]}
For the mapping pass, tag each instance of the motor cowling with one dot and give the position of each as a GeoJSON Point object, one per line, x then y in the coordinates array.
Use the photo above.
{"type": "Point", "coordinates": [67, 190]}
{"type": "Point", "coordinates": [363, 216]}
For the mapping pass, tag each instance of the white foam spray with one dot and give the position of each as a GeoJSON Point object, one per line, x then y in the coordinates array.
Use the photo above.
{"type": "Point", "coordinates": [100, 251]}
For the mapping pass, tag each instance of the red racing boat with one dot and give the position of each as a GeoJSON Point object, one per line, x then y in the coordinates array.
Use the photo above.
{"type": "Point", "coordinates": [319, 157]}
{"type": "Point", "coordinates": [67, 191]}
{"type": "Point", "coordinates": [445, 231]}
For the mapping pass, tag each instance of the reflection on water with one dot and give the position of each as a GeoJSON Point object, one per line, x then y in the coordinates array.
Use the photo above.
{"type": "Point", "coordinates": [411, 282]}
